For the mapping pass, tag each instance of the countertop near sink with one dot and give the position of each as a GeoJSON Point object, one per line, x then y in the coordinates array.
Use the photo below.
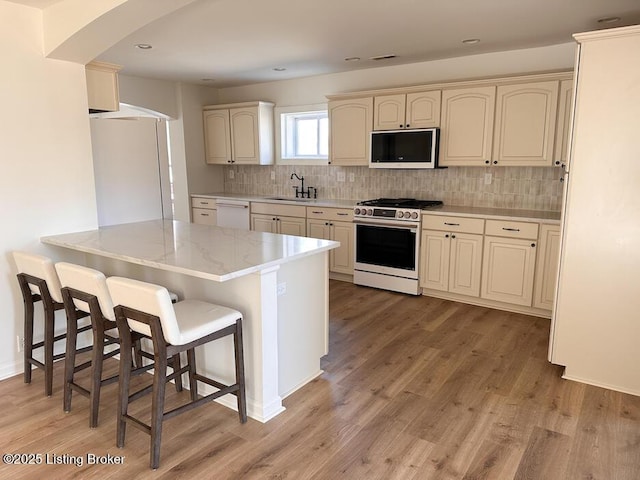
{"type": "Point", "coordinates": [460, 211]}
{"type": "Point", "coordinates": [271, 199]}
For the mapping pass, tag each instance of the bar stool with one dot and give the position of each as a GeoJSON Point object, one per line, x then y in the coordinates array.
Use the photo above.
{"type": "Point", "coordinates": [84, 291]}
{"type": "Point", "coordinates": [147, 309]}
{"type": "Point", "coordinates": [39, 282]}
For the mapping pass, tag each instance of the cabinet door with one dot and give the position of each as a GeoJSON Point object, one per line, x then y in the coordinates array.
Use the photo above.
{"type": "Point", "coordinates": [341, 258]}
{"type": "Point", "coordinates": [217, 136]}
{"type": "Point", "coordinates": [388, 112]}
{"type": "Point", "coordinates": [467, 126]}
{"type": "Point", "coordinates": [350, 123]}
{"type": "Point", "coordinates": [508, 268]}
{"type": "Point", "coordinates": [547, 267]}
{"type": "Point", "coordinates": [318, 229]}
{"type": "Point", "coordinates": [204, 216]}
{"type": "Point", "coordinates": [264, 223]}
{"type": "Point", "coordinates": [434, 268]}
{"type": "Point", "coordinates": [564, 122]}
{"type": "Point", "coordinates": [465, 264]}
{"type": "Point", "coordinates": [423, 109]}
{"type": "Point", "coordinates": [292, 226]}
{"type": "Point", "coordinates": [525, 124]}
{"type": "Point", "coordinates": [244, 135]}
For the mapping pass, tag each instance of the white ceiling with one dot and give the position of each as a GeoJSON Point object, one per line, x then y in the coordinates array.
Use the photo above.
{"type": "Point", "coordinates": [236, 42]}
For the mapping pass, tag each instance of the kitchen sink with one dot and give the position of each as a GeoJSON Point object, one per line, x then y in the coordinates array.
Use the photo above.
{"type": "Point", "coordinates": [291, 199]}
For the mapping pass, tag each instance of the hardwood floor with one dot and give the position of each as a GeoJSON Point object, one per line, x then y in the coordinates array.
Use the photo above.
{"type": "Point", "coordinates": [414, 388]}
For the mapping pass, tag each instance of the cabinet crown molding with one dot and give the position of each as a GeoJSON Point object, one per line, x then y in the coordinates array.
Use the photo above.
{"type": "Point", "coordinates": [238, 105]}
{"type": "Point", "coordinates": [501, 80]}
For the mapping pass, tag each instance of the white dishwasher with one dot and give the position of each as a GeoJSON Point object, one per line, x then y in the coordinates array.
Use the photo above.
{"type": "Point", "coordinates": [233, 213]}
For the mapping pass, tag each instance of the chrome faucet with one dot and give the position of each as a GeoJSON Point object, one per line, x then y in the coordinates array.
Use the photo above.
{"type": "Point", "coordinates": [301, 192]}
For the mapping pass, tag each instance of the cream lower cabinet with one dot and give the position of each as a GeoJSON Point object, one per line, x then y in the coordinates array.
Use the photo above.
{"type": "Point", "coordinates": [451, 260]}
{"type": "Point", "coordinates": [350, 124]}
{"type": "Point", "coordinates": [334, 224]}
{"type": "Point", "coordinates": [509, 261]}
{"type": "Point", "coordinates": [547, 267]}
{"type": "Point", "coordinates": [204, 211]}
{"type": "Point", "coordinates": [278, 218]}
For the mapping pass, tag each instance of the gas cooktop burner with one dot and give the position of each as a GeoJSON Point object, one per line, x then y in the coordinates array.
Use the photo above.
{"type": "Point", "coordinates": [400, 203]}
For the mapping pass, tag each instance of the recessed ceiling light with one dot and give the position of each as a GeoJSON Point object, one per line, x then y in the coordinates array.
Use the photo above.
{"type": "Point", "coordinates": [143, 46]}
{"type": "Point", "coordinates": [471, 41]}
{"type": "Point", "coordinates": [279, 69]}
{"type": "Point", "coordinates": [382, 57]}
{"type": "Point", "coordinates": [352, 59]}
{"type": "Point", "coordinates": [207, 79]}
{"type": "Point", "coordinates": [609, 19]}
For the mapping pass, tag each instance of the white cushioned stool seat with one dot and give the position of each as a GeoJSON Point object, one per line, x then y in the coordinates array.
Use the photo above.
{"type": "Point", "coordinates": [41, 267]}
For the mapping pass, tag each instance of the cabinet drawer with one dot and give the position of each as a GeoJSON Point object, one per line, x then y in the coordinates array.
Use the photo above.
{"type": "Point", "coordinates": [203, 202]}
{"type": "Point", "coordinates": [324, 213]}
{"type": "Point", "coordinates": [502, 228]}
{"type": "Point", "coordinates": [204, 216]}
{"type": "Point", "coordinates": [453, 224]}
{"type": "Point", "coordinates": [278, 209]}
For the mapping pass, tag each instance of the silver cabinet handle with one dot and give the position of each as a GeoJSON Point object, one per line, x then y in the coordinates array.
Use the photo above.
{"type": "Point", "coordinates": [317, 211]}
{"type": "Point", "coordinates": [452, 224]}
{"type": "Point", "coordinates": [342, 214]}
{"type": "Point", "coordinates": [511, 229]}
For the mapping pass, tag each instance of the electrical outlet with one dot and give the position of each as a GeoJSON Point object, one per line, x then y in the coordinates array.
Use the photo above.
{"type": "Point", "coordinates": [282, 288]}
{"type": "Point", "coordinates": [231, 174]}
{"type": "Point", "coordinates": [20, 343]}
{"type": "Point", "coordinates": [352, 177]}
{"type": "Point", "coordinates": [273, 175]}
{"type": "Point", "coordinates": [341, 176]}
{"type": "Point", "coordinates": [487, 179]}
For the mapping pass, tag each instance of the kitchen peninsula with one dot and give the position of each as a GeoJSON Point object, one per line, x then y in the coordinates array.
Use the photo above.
{"type": "Point", "coordinates": [278, 282]}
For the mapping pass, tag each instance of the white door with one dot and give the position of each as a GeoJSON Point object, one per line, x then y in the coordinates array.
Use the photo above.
{"type": "Point", "coordinates": [131, 169]}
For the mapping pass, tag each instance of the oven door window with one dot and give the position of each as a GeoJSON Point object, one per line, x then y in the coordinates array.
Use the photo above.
{"type": "Point", "coordinates": [386, 246]}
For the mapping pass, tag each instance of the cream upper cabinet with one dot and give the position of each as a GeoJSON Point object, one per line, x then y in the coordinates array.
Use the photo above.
{"type": "Point", "coordinates": [350, 124]}
{"type": "Point", "coordinates": [509, 259]}
{"type": "Point", "coordinates": [547, 267]}
{"type": "Point", "coordinates": [334, 224]}
{"type": "Point", "coordinates": [239, 133]}
{"type": "Point", "coordinates": [103, 92]}
{"type": "Point", "coordinates": [217, 136]}
{"type": "Point", "coordinates": [467, 126]}
{"type": "Point", "coordinates": [412, 110]}
{"type": "Point", "coordinates": [563, 127]}
{"type": "Point", "coordinates": [525, 124]}
{"type": "Point", "coordinates": [451, 259]}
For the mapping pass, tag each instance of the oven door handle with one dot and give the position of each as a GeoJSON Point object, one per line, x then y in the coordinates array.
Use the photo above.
{"type": "Point", "coordinates": [386, 223]}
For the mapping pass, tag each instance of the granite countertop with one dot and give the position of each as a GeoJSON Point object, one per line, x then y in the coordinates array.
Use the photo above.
{"type": "Point", "coordinates": [202, 251]}
{"type": "Point", "coordinates": [479, 212]}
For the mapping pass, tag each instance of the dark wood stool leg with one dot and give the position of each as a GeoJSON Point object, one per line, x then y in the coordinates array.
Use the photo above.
{"type": "Point", "coordinates": [137, 353]}
{"type": "Point", "coordinates": [70, 356]}
{"type": "Point", "coordinates": [96, 371]}
{"type": "Point", "coordinates": [124, 380]}
{"type": "Point", "coordinates": [28, 335]}
{"type": "Point", "coordinates": [193, 383]}
{"type": "Point", "coordinates": [157, 403]}
{"type": "Point", "coordinates": [176, 365]}
{"type": "Point", "coordinates": [49, 333]}
{"type": "Point", "coordinates": [239, 357]}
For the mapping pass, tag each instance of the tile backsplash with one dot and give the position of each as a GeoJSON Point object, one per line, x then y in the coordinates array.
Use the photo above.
{"type": "Point", "coordinates": [531, 188]}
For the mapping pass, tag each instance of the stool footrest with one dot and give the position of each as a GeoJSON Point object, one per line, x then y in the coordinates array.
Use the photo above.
{"type": "Point", "coordinates": [200, 401]}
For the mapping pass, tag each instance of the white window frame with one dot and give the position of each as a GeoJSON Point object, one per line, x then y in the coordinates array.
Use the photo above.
{"type": "Point", "coordinates": [279, 132]}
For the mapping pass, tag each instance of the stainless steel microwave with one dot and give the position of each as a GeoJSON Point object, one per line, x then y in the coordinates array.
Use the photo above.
{"type": "Point", "coordinates": [405, 148]}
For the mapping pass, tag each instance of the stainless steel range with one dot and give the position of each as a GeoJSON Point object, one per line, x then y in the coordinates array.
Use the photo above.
{"type": "Point", "coordinates": [387, 243]}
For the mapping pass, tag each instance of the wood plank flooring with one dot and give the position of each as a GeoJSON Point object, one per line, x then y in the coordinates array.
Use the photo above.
{"type": "Point", "coordinates": [414, 388]}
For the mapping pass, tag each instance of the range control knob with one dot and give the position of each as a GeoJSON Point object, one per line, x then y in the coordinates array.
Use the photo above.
{"type": "Point", "coordinates": [356, 211]}
{"type": "Point", "coordinates": [399, 214]}
{"type": "Point", "coordinates": [369, 211]}
{"type": "Point", "coordinates": [407, 214]}
{"type": "Point", "coordinates": [414, 215]}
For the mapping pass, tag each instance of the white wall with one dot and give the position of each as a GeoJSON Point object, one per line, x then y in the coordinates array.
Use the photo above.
{"type": "Point", "coordinates": [314, 89]}
{"type": "Point", "coordinates": [149, 93]}
{"type": "Point", "coordinates": [46, 186]}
